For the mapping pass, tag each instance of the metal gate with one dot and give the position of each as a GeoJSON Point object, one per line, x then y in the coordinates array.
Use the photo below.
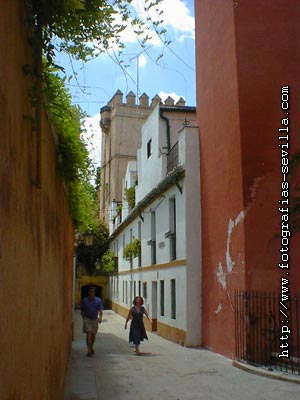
{"type": "Point", "coordinates": [267, 330]}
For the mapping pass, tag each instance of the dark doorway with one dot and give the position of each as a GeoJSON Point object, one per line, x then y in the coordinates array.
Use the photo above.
{"type": "Point", "coordinates": [85, 289]}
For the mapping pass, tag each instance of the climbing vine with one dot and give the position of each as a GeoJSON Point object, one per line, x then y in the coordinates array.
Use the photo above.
{"type": "Point", "coordinates": [74, 164]}
{"type": "Point", "coordinates": [89, 255]}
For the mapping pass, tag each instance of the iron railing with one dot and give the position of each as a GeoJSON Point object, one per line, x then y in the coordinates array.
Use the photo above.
{"type": "Point", "coordinates": [265, 327]}
{"type": "Point", "coordinates": [172, 158]}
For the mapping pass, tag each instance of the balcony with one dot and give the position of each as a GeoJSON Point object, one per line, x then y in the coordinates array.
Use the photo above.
{"type": "Point", "coordinates": [172, 158]}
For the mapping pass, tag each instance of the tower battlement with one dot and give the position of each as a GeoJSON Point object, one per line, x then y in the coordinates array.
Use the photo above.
{"type": "Point", "coordinates": [130, 101]}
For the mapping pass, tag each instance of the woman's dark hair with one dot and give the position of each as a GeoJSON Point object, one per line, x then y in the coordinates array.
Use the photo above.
{"type": "Point", "coordinates": [138, 297]}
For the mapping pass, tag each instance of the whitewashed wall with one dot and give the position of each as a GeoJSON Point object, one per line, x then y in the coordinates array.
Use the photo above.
{"type": "Point", "coordinates": [150, 171]}
{"type": "Point", "coordinates": [161, 208]}
{"type": "Point", "coordinates": [129, 181]}
{"type": "Point", "coordinates": [188, 274]}
{"type": "Point", "coordinates": [189, 139]}
{"type": "Point", "coordinates": [152, 302]}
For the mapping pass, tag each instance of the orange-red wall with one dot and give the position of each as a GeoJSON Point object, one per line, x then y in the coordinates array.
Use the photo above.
{"type": "Point", "coordinates": [245, 51]}
{"type": "Point", "coordinates": [268, 57]}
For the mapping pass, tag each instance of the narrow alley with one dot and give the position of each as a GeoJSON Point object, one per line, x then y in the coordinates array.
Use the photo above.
{"type": "Point", "coordinates": [164, 371]}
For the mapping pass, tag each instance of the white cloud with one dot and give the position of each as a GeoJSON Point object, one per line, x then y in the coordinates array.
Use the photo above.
{"type": "Point", "coordinates": [142, 61]}
{"type": "Point", "coordinates": [176, 16]}
{"type": "Point", "coordinates": [129, 36]}
{"type": "Point", "coordinates": [176, 19]}
{"type": "Point", "coordinates": [92, 138]}
{"type": "Point", "coordinates": [164, 96]}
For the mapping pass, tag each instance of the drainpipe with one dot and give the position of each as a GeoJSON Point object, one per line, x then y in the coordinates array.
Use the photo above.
{"type": "Point", "coordinates": [168, 128]}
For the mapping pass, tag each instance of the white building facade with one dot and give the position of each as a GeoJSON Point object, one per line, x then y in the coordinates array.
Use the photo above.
{"type": "Point", "coordinates": [166, 220]}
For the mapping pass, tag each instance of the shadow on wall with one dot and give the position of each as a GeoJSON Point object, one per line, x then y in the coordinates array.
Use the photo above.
{"type": "Point", "coordinates": [99, 293]}
{"type": "Point", "coordinates": [85, 289]}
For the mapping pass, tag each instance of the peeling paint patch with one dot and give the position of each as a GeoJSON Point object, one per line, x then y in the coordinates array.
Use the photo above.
{"type": "Point", "coordinates": [229, 261]}
{"type": "Point", "coordinates": [231, 225]}
{"type": "Point", "coordinates": [239, 218]}
{"type": "Point", "coordinates": [255, 186]}
{"type": "Point", "coordinates": [219, 308]}
{"type": "Point", "coordinates": [221, 276]}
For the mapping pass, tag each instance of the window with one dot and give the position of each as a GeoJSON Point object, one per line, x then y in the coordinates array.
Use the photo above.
{"type": "Point", "coordinates": [153, 238]}
{"type": "Point", "coordinates": [172, 237]}
{"type": "Point", "coordinates": [145, 290]}
{"type": "Point", "coordinates": [162, 298]}
{"type": "Point", "coordinates": [123, 292]}
{"type": "Point", "coordinates": [131, 261]}
{"type": "Point", "coordinates": [140, 238]}
{"type": "Point", "coordinates": [149, 148]}
{"type": "Point", "coordinates": [117, 294]}
{"type": "Point", "coordinates": [126, 292]}
{"type": "Point", "coordinates": [139, 288]}
{"type": "Point", "coordinates": [134, 288]}
{"type": "Point", "coordinates": [173, 298]}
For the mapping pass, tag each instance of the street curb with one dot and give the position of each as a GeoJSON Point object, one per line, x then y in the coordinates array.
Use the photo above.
{"type": "Point", "coordinates": [267, 374]}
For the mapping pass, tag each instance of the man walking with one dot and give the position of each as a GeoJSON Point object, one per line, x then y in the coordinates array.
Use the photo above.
{"type": "Point", "coordinates": [91, 312]}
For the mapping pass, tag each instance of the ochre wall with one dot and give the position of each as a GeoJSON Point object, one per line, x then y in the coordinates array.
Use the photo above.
{"type": "Point", "coordinates": [36, 235]}
{"type": "Point", "coordinates": [246, 50]}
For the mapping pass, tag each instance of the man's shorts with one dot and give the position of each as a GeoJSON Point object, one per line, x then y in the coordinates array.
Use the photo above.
{"type": "Point", "coordinates": [90, 325]}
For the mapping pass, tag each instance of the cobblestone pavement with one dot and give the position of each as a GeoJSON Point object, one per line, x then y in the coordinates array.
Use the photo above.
{"type": "Point", "coordinates": [165, 371]}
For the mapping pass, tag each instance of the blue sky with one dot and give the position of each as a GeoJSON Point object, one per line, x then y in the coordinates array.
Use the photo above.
{"type": "Point", "coordinates": [173, 74]}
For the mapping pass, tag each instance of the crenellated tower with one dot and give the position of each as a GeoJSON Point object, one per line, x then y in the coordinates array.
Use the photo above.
{"type": "Point", "coordinates": [121, 124]}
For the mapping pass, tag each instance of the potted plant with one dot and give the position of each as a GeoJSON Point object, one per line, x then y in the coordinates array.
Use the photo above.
{"type": "Point", "coordinates": [132, 250]}
{"type": "Point", "coordinates": [130, 196]}
{"type": "Point", "coordinates": [109, 261]}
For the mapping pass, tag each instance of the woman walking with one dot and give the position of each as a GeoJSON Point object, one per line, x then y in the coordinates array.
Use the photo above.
{"type": "Point", "coordinates": [137, 331]}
